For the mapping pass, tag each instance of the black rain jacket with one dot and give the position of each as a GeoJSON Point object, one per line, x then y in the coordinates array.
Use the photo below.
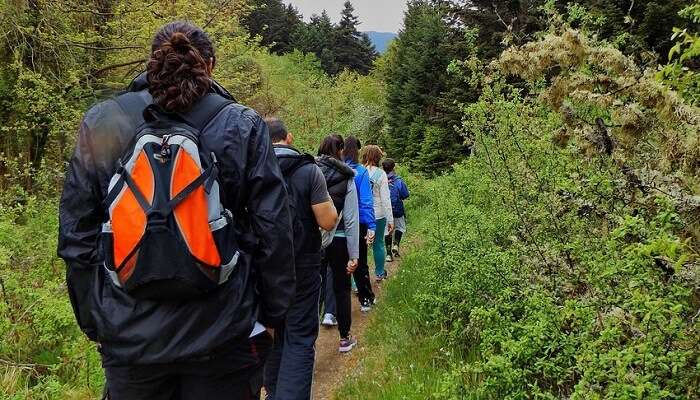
{"type": "Point", "coordinates": [261, 287]}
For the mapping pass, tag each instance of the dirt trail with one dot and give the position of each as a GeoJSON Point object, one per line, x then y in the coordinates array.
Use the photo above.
{"type": "Point", "coordinates": [332, 368]}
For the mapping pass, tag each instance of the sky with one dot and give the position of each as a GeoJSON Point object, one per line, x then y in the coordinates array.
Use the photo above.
{"type": "Point", "coordinates": [375, 15]}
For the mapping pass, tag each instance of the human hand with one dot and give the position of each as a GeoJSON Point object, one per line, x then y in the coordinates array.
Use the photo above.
{"type": "Point", "coordinates": [270, 331]}
{"type": "Point", "coordinates": [391, 228]}
{"type": "Point", "coordinates": [352, 266]}
{"type": "Point", "coordinates": [370, 237]}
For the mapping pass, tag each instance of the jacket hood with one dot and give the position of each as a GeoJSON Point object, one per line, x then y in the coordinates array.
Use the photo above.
{"type": "Point", "coordinates": [141, 82]}
{"type": "Point", "coordinates": [335, 164]}
{"type": "Point", "coordinates": [291, 159]}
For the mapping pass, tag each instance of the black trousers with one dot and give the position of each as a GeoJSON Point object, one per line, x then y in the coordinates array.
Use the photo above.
{"type": "Point", "coordinates": [234, 374]}
{"type": "Point", "coordinates": [361, 274]}
{"type": "Point", "coordinates": [290, 368]}
{"type": "Point", "coordinates": [337, 260]}
{"type": "Point", "coordinates": [391, 238]}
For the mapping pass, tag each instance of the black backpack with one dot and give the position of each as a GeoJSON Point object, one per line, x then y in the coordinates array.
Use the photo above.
{"type": "Point", "coordinates": [290, 164]}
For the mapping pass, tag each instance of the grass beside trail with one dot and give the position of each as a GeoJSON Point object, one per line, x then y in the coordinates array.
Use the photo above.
{"type": "Point", "coordinates": [402, 360]}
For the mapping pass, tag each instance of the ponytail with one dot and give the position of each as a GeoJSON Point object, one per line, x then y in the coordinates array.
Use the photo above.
{"type": "Point", "coordinates": [178, 70]}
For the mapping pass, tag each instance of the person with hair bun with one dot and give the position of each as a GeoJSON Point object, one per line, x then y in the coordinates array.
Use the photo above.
{"type": "Point", "coordinates": [213, 345]}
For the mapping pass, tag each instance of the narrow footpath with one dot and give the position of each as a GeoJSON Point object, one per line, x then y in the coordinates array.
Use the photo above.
{"type": "Point", "coordinates": [333, 368]}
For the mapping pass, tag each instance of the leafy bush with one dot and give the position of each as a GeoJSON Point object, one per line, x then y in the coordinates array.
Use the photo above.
{"type": "Point", "coordinates": [560, 260]}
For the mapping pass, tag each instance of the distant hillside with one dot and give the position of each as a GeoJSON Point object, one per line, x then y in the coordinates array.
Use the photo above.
{"type": "Point", "coordinates": [381, 40]}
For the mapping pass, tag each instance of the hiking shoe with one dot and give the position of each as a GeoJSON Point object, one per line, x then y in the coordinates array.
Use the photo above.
{"type": "Point", "coordinates": [329, 320]}
{"type": "Point", "coordinates": [366, 306]}
{"type": "Point", "coordinates": [389, 258]}
{"type": "Point", "coordinates": [382, 277]}
{"type": "Point", "coordinates": [347, 344]}
{"type": "Point", "coordinates": [395, 251]}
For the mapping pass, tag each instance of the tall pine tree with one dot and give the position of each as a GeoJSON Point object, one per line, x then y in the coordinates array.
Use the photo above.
{"type": "Point", "coordinates": [421, 113]}
{"type": "Point", "coordinates": [275, 23]}
{"type": "Point", "coordinates": [318, 37]}
{"type": "Point", "coordinates": [353, 50]}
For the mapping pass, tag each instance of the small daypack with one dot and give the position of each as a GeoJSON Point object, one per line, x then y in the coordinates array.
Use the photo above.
{"type": "Point", "coordinates": [394, 195]}
{"type": "Point", "coordinates": [168, 236]}
{"type": "Point", "coordinates": [288, 171]}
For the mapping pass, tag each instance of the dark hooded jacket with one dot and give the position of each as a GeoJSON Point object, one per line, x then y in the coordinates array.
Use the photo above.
{"type": "Point", "coordinates": [261, 287]}
{"type": "Point", "coordinates": [337, 174]}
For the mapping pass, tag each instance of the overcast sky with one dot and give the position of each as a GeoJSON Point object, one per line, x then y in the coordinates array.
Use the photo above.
{"type": "Point", "coordinates": [375, 15]}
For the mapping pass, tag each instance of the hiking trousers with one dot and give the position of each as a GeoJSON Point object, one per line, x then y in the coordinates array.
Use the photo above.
{"type": "Point", "coordinates": [235, 373]}
{"type": "Point", "coordinates": [378, 249]}
{"type": "Point", "coordinates": [328, 303]}
{"type": "Point", "coordinates": [361, 274]}
{"type": "Point", "coordinates": [337, 255]}
{"type": "Point", "coordinates": [289, 369]}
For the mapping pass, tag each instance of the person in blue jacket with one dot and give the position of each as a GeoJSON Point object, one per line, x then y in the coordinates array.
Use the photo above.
{"type": "Point", "coordinates": [351, 153]}
{"type": "Point", "coordinates": [398, 192]}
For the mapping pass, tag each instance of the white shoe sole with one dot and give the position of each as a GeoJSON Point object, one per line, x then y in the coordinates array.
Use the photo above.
{"type": "Point", "coordinates": [347, 349]}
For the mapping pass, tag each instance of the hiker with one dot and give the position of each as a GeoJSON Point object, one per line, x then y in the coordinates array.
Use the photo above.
{"type": "Point", "coordinates": [343, 252]}
{"type": "Point", "coordinates": [176, 232]}
{"type": "Point", "coordinates": [371, 156]}
{"type": "Point", "coordinates": [398, 192]}
{"type": "Point", "coordinates": [290, 366]}
{"type": "Point", "coordinates": [368, 225]}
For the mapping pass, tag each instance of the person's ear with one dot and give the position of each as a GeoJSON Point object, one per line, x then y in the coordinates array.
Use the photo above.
{"type": "Point", "coordinates": [290, 139]}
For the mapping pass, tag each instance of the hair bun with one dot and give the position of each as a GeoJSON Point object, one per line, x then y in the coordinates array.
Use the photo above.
{"type": "Point", "coordinates": [180, 42]}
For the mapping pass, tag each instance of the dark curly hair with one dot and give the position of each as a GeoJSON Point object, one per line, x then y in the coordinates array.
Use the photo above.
{"type": "Point", "coordinates": [178, 73]}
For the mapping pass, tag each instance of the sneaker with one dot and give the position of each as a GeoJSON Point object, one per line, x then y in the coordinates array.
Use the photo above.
{"type": "Point", "coordinates": [382, 277]}
{"type": "Point", "coordinates": [347, 344]}
{"type": "Point", "coordinates": [329, 320]}
{"type": "Point", "coordinates": [389, 258]}
{"type": "Point", "coordinates": [395, 251]}
{"type": "Point", "coordinates": [366, 306]}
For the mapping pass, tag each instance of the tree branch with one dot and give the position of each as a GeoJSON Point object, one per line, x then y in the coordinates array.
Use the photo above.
{"type": "Point", "coordinates": [115, 66]}
{"type": "Point", "coordinates": [90, 47]}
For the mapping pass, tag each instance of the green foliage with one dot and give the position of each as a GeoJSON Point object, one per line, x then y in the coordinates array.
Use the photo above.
{"type": "Point", "coordinates": [555, 263]}
{"type": "Point", "coordinates": [421, 94]}
{"type": "Point", "coordinates": [682, 72]}
{"type": "Point", "coordinates": [274, 23]}
{"type": "Point", "coordinates": [339, 46]}
{"type": "Point", "coordinates": [43, 354]}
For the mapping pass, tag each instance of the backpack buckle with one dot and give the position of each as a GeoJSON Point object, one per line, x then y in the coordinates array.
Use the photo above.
{"type": "Point", "coordinates": [156, 218]}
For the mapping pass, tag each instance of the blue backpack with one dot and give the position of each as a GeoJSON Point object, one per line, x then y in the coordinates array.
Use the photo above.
{"type": "Point", "coordinates": [394, 196]}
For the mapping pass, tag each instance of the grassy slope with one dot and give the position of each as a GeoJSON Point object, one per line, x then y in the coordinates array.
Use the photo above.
{"type": "Point", "coordinates": [404, 360]}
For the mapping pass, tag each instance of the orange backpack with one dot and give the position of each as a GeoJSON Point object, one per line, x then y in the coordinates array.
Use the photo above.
{"type": "Point", "coordinates": [168, 236]}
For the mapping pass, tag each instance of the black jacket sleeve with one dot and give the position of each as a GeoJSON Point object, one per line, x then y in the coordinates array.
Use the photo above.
{"type": "Point", "coordinates": [268, 206]}
{"type": "Point", "coordinates": [79, 226]}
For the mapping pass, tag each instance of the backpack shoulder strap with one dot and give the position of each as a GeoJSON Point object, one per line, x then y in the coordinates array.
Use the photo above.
{"type": "Point", "coordinates": [375, 176]}
{"type": "Point", "coordinates": [133, 104]}
{"type": "Point", "coordinates": [208, 107]}
{"type": "Point", "coordinates": [205, 110]}
{"type": "Point", "coordinates": [304, 159]}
